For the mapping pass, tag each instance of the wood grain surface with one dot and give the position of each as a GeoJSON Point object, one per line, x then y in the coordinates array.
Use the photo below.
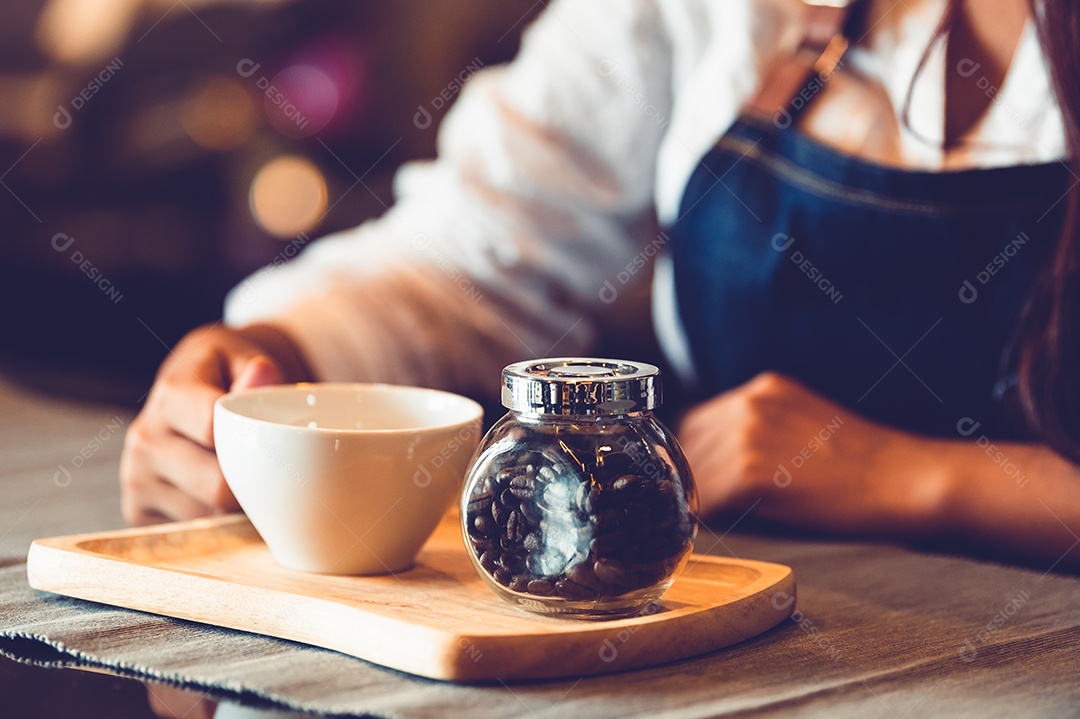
{"type": "Point", "coordinates": [437, 619]}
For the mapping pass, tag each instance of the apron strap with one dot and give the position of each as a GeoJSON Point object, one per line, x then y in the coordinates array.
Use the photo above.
{"type": "Point", "coordinates": [794, 81]}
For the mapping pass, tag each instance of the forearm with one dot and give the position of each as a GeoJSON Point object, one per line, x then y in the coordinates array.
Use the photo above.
{"type": "Point", "coordinates": [416, 325]}
{"type": "Point", "coordinates": [1013, 499]}
{"type": "Point", "coordinates": [773, 447]}
{"type": "Point", "coordinates": [501, 248]}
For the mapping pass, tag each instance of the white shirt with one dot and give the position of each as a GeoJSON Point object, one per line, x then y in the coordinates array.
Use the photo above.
{"type": "Point", "coordinates": [553, 170]}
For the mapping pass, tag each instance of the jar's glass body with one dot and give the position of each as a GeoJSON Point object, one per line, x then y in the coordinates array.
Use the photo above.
{"type": "Point", "coordinates": [590, 516]}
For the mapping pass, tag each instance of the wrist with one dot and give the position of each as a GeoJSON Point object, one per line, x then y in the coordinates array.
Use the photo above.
{"type": "Point", "coordinates": [926, 472]}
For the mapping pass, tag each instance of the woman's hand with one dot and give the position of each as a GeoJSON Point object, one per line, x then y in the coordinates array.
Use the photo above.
{"type": "Point", "coordinates": [168, 469]}
{"type": "Point", "coordinates": [777, 448]}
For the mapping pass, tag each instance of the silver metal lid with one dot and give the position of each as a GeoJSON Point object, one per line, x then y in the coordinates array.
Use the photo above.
{"type": "Point", "coordinates": [581, 386]}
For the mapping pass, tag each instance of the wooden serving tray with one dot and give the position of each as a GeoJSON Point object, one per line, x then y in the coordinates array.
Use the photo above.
{"type": "Point", "coordinates": [437, 619]}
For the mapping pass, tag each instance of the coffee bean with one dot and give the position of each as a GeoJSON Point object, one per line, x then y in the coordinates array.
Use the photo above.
{"type": "Point", "coordinates": [616, 464]}
{"type": "Point", "coordinates": [601, 498]}
{"type": "Point", "coordinates": [582, 573]}
{"type": "Point", "coordinates": [474, 535]}
{"type": "Point", "coordinates": [489, 560]}
{"type": "Point", "coordinates": [664, 506]}
{"type": "Point", "coordinates": [629, 484]}
{"type": "Point", "coordinates": [607, 520]}
{"type": "Point", "coordinates": [611, 572]}
{"type": "Point", "coordinates": [629, 553]}
{"type": "Point", "coordinates": [480, 492]}
{"type": "Point", "coordinates": [515, 532]}
{"type": "Point", "coordinates": [481, 544]}
{"type": "Point", "coordinates": [500, 513]}
{"type": "Point", "coordinates": [648, 575]}
{"type": "Point", "coordinates": [638, 514]}
{"type": "Point", "coordinates": [610, 543]}
{"type": "Point", "coordinates": [581, 498]}
{"type": "Point", "coordinates": [585, 526]}
{"type": "Point", "coordinates": [485, 525]}
{"type": "Point", "coordinates": [534, 564]}
{"type": "Point", "coordinates": [532, 512]}
{"type": "Point", "coordinates": [480, 503]}
{"type": "Point", "coordinates": [512, 562]}
{"type": "Point", "coordinates": [523, 488]}
{"type": "Point", "coordinates": [664, 522]}
{"type": "Point", "coordinates": [664, 485]}
{"type": "Point", "coordinates": [569, 589]}
{"type": "Point", "coordinates": [661, 549]}
{"type": "Point", "coordinates": [507, 498]}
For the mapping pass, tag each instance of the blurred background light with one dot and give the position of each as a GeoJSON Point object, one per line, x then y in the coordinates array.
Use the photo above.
{"type": "Point", "coordinates": [30, 118]}
{"type": "Point", "coordinates": [301, 100]}
{"type": "Point", "coordinates": [219, 114]}
{"type": "Point", "coordinates": [143, 130]}
{"type": "Point", "coordinates": [80, 32]}
{"type": "Point", "coordinates": [326, 83]}
{"type": "Point", "coordinates": [288, 196]}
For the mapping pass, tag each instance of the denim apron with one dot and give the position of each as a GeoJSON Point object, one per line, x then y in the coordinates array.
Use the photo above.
{"type": "Point", "coordinates": [894, 293]}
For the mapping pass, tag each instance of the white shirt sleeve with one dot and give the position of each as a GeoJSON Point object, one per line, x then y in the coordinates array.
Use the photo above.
{"type": "Point", "coordinates": [499, 249]}
{"type": "Point", "coordinates": [552, 169]}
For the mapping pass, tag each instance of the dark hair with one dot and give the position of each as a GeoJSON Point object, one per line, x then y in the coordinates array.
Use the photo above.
{"type": "Point", "coordinates": [1049, 364]}
{"type": "Point", "coordinates": [1048, 338]}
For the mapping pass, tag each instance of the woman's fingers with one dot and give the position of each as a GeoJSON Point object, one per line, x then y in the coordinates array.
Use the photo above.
{"type": "Point", "coordinates": [194, 470]}
{"type": "Point", "coordinates": [147, 498]}
{"type": "Point", "coordinates": [168, 467]}
{"type": "Point", "coordinates": [184, 394]}
{"type": "Point", "coordinates": [258, 371]}
{"type": "Point", "coordinates": [168, 474]}
{"type": "Point", "coordinates": [162, 502]}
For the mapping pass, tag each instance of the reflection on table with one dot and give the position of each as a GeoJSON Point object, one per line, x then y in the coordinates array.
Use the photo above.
{"type": "Point", "coordinates": [169, 702]}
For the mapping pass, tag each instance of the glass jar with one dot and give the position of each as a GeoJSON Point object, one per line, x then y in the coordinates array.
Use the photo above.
{"type": "Point", "coordinates": [579, 501]}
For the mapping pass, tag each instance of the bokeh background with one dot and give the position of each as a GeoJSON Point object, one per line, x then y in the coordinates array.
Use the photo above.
{"type": "Point", "coordinates": [154, 152]}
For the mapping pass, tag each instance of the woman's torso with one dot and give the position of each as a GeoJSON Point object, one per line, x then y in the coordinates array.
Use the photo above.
{"type": "Point", "coordinates": [831, 252]}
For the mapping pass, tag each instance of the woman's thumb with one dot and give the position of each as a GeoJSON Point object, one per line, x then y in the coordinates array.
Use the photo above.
{"type": "Point", "coordinates": [256, 372]}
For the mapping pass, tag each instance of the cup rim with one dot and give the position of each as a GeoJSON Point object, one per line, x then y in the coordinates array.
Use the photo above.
{"type": "Point", "coordinates": [224, 401]}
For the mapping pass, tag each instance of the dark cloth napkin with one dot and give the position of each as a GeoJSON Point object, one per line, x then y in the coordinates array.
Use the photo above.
{"type": "Point", "coordinates": [879, 631]}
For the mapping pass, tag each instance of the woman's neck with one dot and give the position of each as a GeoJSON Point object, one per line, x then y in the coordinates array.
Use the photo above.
{"type": "Point", "coordinates": [986, 32]}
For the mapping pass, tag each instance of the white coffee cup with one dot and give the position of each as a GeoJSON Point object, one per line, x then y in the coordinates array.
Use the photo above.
{"type": "Point", "coordinates": [345, 478]}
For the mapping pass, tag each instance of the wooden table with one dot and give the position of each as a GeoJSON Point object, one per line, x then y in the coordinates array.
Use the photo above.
{"type": "Point", "coordinates": [880, 630]}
